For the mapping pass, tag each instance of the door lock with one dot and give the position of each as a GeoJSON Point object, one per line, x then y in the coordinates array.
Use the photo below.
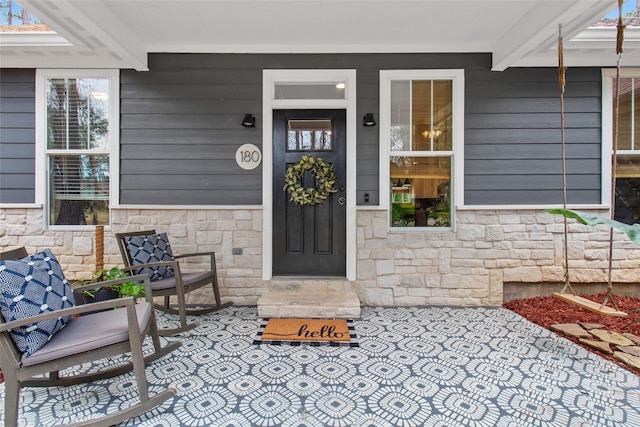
{"type": "Point", "coordinates": [342, 201]}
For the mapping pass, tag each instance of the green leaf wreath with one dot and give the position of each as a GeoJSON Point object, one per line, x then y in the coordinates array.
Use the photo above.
{"type": "Point", "coordinates": [325, 180]}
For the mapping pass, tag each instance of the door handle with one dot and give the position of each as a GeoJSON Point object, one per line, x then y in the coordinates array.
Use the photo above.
{"type": "Point", "coordinates": [342, 201]}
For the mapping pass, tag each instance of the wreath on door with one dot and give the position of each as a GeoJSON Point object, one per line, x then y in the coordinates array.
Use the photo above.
{"type": "Point", "coordinates": [325, 179]}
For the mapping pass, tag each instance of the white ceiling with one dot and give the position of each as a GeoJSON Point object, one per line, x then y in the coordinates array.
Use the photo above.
{"type": "Point", "coordinates": [119, 33]}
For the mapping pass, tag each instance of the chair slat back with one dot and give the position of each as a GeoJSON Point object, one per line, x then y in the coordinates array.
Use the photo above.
{"type": "Point", "coordinates": [122, 244]}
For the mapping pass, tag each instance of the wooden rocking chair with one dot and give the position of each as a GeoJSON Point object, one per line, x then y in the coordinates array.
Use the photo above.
{"type": "Point", "coordinates": [85, 338]}
{"type": "Point", "coordinates": [177, 283]}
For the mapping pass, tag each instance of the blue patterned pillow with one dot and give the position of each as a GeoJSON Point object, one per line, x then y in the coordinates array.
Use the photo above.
{"type": "Point", "coordinates": [151, 248]}
{"type": "Point", "coordinates": [31, 286]}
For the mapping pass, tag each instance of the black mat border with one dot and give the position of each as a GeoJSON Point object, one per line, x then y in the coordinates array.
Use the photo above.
{"type": "Point", "coordinates": [353, 338]}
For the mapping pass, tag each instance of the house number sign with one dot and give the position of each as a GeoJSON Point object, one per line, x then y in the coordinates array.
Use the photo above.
{"type": "Point", "coordinates": [248, 156]}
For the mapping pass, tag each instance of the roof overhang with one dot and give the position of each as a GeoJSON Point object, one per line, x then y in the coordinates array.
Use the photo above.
{"type": "Point", "coordinates": [121, 33]}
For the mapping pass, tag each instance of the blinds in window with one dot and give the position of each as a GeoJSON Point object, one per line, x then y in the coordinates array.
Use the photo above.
{"type": "Point", "coordinates": [77, 113]}
{"type": "Point", "coordinates": [83, 177]}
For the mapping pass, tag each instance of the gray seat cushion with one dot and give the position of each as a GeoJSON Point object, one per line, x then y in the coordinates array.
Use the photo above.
{"type": "Point", "coordinates": [187, 279]}
{"type": "Point", "coordinates": [90, 332]}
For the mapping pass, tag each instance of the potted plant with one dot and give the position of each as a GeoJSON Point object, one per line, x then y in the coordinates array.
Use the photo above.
{"type": "Point", "coordinates": [120, 290]}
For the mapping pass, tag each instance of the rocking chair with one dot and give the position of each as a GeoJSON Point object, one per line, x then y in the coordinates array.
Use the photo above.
{"type": "Point", "coordinates": [148, 252]}
{"type": "Point", "coordinates": [26, 362]}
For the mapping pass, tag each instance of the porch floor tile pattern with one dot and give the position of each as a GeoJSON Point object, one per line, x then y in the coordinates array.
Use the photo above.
{"type": "Point", "coordinates": [424, 366]}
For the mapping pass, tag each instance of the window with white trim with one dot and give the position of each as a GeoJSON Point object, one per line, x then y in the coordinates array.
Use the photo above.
{"type": "Point", "coordinates": [78, 129]}
{"type": "Point", "coordinates": [421, 132]}
{"type": "Point", "coordinates": [627, 171]}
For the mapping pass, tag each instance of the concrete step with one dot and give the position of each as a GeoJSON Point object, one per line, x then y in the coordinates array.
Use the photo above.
{"type": "Point", "coordinates": [309, 298]}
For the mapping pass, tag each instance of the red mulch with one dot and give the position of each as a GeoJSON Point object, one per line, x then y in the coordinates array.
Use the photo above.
{"type": "Point", "coordinates": [546, 311]}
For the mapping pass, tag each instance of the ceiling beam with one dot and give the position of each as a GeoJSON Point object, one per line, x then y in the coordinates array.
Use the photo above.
{"type": "Point", "coordinates": [92, 25]}
{"type": "Point", "coordinates": [540, 27]}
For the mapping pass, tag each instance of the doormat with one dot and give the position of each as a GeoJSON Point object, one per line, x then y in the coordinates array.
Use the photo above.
{"type": "Point", "coordinates": [313, 332]}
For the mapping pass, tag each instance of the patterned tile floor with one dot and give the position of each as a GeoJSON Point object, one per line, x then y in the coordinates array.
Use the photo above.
{"type": "Point", "coordinates": [424, 366]}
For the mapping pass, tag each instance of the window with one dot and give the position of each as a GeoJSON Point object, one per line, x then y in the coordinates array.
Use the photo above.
{"type": "Point", "coordinates": [421, 130]}
{"type": "Point", "coordinates": [627, 171]}
{"type": "Point", "coordinates": [77, 128]}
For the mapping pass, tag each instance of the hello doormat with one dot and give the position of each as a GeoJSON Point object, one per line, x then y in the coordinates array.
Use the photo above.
{"type": "Point", "coordinates": [314, 332]}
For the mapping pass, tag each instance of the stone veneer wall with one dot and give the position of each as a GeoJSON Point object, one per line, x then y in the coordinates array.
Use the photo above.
{"type": "Point", "coordinates": [487, 249]}
{"type": "Point", "coordinates": [467, 266]}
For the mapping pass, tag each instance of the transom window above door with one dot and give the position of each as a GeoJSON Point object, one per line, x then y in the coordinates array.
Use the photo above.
{"type": "Point", "coordinates": [310, 90]}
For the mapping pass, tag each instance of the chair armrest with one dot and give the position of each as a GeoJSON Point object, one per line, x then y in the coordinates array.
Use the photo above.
{"type": "Point", "coordinates": [119, 302]}
{"type": "Point", "coordinates": [194, 254]}
{"type": "Point", "coordinates": [173, 264]}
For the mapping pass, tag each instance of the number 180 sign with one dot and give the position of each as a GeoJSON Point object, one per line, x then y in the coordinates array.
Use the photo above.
{"type": "Point", "coordinates": [248, 156]}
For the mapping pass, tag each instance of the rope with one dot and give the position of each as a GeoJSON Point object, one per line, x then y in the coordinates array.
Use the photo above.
{"type": "Point", "coordinates": [614, 160]}
{"type": "Point", "coordinates": [562, 82]}
{"type": "Point", "coordinates": [99, 247]}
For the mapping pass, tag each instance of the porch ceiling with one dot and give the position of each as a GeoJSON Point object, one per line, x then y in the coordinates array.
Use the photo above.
{"type": "Point", "coordinates": [119, 33]}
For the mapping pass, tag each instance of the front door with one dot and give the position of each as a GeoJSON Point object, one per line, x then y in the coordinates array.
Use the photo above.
{"type": "Point", "coordinates": [309, 239]}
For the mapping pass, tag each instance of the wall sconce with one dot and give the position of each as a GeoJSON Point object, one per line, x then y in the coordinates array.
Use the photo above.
{"type": "Point", "coordinates": [369, 120]}
{"type": "Point", "coordinates": [249, 121]}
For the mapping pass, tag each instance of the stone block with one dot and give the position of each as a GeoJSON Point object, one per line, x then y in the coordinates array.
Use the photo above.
{"type": "Point", "coordinates": [611, 337]}
{"type": "Point", "coordinates": [494, 233]}
{"type": "Point", "coordinates": [414, 240]}
{"type": "Point", "coordinates": [378, 297]}
{"type": "Point", "coordinates": [83, 245]}
{"type": "Point", "coordinates": [598, 345]}
{"type": "Point", "coordinates": [390, 281]}
{"type": "Point", "coordinates": [470, 232]}
{"type": "Point", "coordinates": [379, 227]}
{"type": "Point", "coordinates": [571, 329]}
{"type": "Point", "coordinates": [632, 337]}
{"type": "Point", "coordinates": [522, 274]}
{"type": "Point", "coordinates": [627, 359]}
{"type": "Point", "coordinates": [412, 281]}
{"type": "Point", "coordinates": [633, 350]}
{"type": "Point", "coordinates": [384, 267]}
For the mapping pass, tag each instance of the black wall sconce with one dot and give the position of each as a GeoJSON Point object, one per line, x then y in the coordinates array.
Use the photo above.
{"type": "Point", "coordinates": [369, 120]}
{"type": "Point", "coordinates": [249, 121]}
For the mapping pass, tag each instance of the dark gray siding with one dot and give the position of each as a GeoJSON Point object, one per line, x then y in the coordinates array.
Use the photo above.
{"type": "Point", "coordinates": [17, 136]}
{"type": "Point", "coordinates": [180, 127]}
{"type": "Point", "coordinates": [513, 137]}
{"type": "Point", "coordinates": [181, 121]}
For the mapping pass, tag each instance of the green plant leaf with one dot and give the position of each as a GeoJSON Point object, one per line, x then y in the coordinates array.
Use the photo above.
{"type": "Point", "coordinates": [632, 231]}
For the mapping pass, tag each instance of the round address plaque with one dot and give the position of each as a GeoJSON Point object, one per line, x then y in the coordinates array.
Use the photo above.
{"type": "Point", "coordinates": [248, 156]}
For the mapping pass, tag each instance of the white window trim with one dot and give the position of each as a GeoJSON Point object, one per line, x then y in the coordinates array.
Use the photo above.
{"type": "Point", "coordinates": [269, 79]}
{"type": "Point", "coordinates": [608, 77]}
{"type": "Point", "coordinates": [457, 178]}
{"type": "Point", "coordinates": [42, 198]}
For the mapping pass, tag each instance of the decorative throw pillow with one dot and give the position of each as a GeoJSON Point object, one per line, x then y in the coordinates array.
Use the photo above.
{"type": "Point", "coordinates": [32, 286]}
{"type": "Point", "coordinates": [151, 248]}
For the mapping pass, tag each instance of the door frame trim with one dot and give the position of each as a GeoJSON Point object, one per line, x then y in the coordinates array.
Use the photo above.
{"type": "Point", "coordinates": [269, 103]}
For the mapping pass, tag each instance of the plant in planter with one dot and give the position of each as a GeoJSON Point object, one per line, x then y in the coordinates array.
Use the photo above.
{"type": "Point", "coordinates": [120, 290]}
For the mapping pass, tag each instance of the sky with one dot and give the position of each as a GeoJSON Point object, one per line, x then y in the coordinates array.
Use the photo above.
{"type": "Point", "coordinates": [626, 7]}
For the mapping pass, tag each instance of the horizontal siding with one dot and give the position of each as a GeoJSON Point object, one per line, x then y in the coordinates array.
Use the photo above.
{"type": "Point", "coordinates": [17, 136]}
{"type": "Point", "coordinates": [180, 121]}
{"type": "Point", "coordinates": [513, 137]}
{"type": "Point", "coordinates": [180, 128]}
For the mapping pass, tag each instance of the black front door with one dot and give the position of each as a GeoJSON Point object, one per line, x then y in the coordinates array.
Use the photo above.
{"type": "Point", "coordinates": [309, 239]}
